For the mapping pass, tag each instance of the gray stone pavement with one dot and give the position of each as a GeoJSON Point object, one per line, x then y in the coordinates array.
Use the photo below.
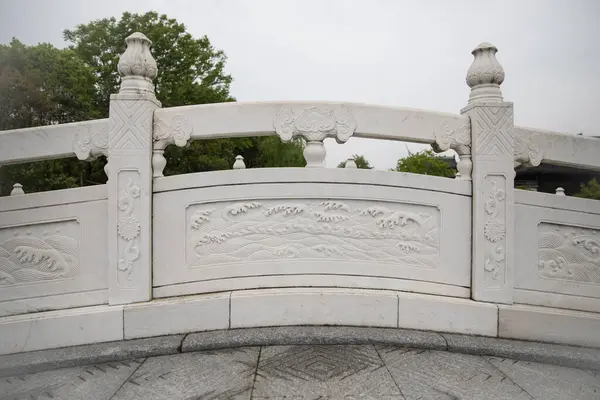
{"type": "Point", "coordinates": [364, 371]}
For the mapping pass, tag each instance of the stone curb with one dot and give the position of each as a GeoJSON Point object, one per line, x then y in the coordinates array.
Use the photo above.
{"type": "Point", "coordinates": [36, 361]}
{"type": "Point", "coordinates": [43, 360]}
{"type": "Point", "coordinates": [545, 353]}
{"type": "Point", "coordinates": [312, 335]}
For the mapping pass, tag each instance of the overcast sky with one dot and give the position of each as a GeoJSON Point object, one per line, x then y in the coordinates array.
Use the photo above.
{"type": "Point", "coordinates": [389, 52]}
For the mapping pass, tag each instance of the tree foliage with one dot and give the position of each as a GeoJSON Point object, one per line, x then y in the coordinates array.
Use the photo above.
{"type": "Point", "coordinates": [191, 71]}
{"type": "Point", "coordinates": [360, 160]}
{"type": "Point", "coordinates": [42, 85]}
{"type": "Point", "coordinates": [427, 163]}
{"type": "Point", "coordinates": [590, 190]}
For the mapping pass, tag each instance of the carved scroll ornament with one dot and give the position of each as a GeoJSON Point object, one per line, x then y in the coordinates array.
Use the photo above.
{"type": "Point", "coordinates": [315, 124]}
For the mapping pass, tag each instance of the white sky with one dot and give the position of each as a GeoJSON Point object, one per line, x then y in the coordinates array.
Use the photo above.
{"type": "Point", "coordinates": [389, 52]}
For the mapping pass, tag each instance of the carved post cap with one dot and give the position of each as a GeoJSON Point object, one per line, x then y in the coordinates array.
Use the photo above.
{"type": "Point", "coordinates": [485, 75]}
{"type": "Point", "coordinates": [136, 65]}
{"type": "Point", "coordinates": [560, 191]}
{"type": "Point", "coordinates": [17, 189]}
{"type": "Point", "coordinates": [350, 163]}
{"type": "Point", "coordinates": [239, 162]}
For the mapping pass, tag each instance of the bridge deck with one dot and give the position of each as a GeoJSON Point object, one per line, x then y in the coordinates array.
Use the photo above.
{"type": "Point", "coordinates": [376, 370]}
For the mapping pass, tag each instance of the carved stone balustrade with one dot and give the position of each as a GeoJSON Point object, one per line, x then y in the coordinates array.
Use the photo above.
{"type": "Point", "coordinates": [297, 246]}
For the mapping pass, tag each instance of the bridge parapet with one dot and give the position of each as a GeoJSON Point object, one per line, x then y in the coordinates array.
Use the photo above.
{"type": "Point", "coordinates": [288, 246]}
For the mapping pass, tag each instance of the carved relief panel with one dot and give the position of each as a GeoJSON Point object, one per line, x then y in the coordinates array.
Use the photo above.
{"type": "Point", "coordinates": [39, 252]}
{"type": "Point", "coordinates": [128, 225]}
{"type": "Point", "coordinates": [559, 248]}
{"type": "Point", "coordinates": [494, 229]}
{"type": "Point", "coordinates": [309, 229]}
{"type": "Point", "coordinates": [568, 253]}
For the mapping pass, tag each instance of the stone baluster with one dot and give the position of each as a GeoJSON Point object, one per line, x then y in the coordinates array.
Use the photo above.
{"type": "Point", "coordinates": [17, 189]}
{"type": "Point", "coordinates": [315, 125]}
{"type": "Point", "coordinates": [492, 153]}
{"type": "Point", "coordinates": [239, 163]}
{"type": "Point", "coordinates": [350, 163]}
{"type": "Point", "coordinates": [130, 175]}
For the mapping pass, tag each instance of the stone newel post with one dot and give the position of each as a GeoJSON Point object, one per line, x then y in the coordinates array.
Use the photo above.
{"type": "Point", "coordinates": [130, 175]}
{"type": "Point", "coordinates": [492, 151]}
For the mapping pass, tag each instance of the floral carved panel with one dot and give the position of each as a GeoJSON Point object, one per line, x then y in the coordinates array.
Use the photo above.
{"type": "Point", "coordinates": [39, 252]}
{"type": "Point", "coordinates": [495, 228]}
{"type": "Point", "coordinates": [309, 229]}
{"type": "Point", "coordinates": [128, 225]}
{"type": "Point", "coordinates": [569, 253]}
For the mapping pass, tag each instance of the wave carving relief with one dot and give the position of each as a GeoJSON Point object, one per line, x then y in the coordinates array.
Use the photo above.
{"type": "Point", "coordinates": [273, 230]}
{"type": "Point", "coordinates": [39, 253]}
{"type": "Point", "coordinates": [569, 253]}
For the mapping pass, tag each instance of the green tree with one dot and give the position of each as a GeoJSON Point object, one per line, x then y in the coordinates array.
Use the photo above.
{"type": "Point", "coordinates": [425, 162]}
{"type": "Point", "coordinates": [590, 190]}
{"type": "Point", "coordinates": [43, 85]}
{"type": "Point", "coordinates": [190, 71]}
{"type": "Point", "coordinates": [360, 160]}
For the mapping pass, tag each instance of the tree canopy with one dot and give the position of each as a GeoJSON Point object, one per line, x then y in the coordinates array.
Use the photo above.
{"type": "Point", "coordinates": [425, 162]}
{"type": "Point", "coordinates": [360, 160]}
{"type": "Point", "coordinates": [590, 190]}
{"type": "Point", "coordinates": [191, 70]}
{"type": "Point", "coordinates": [43, 85]}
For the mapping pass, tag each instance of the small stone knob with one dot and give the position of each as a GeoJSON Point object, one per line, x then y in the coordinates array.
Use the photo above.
{"type": "Point", "coordinates": [239, 163]}
{"type": "Point", "coordinates": [136, 65]}
{"type": "Point", "coordinates": [560, 191]}
{"type": "Point", "coordinates": [485, 75]}
{"type": "Point", "coordinates": [350, 163]}
{"type": "Point", "coordinates": [17, 189]}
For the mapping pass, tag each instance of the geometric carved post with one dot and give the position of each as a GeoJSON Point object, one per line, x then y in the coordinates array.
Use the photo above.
{"type": "Point", "coordinates": [130, 175]}
{"type": "Point", "coordinates": [492, 152]}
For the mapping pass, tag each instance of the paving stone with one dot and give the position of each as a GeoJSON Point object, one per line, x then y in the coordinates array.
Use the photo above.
{"type": "Point", "coordinates": [429, 374]}
{"type": "Point", "coordinates": [566, 356]}
{"type": "Point", "coordinates": [42, 360]}
{"type": "Point", "coordinates": [297, 335]}
{"type": "Point", "coordinates": [221, 374]}
{"type": "Point", "coordinates": [549, 382]}
{"type": "Point", "coordinates": [94, 382]}
{"type": "Point", "coordinates": [310, 372]}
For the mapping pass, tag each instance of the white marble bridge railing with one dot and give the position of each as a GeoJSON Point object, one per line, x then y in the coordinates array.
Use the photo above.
{"type": "Point", "coordinates": [148, 255]}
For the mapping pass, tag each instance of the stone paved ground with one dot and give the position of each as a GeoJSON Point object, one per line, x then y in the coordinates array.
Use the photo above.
{"type": "Point", "coordinates": [309, 372]}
